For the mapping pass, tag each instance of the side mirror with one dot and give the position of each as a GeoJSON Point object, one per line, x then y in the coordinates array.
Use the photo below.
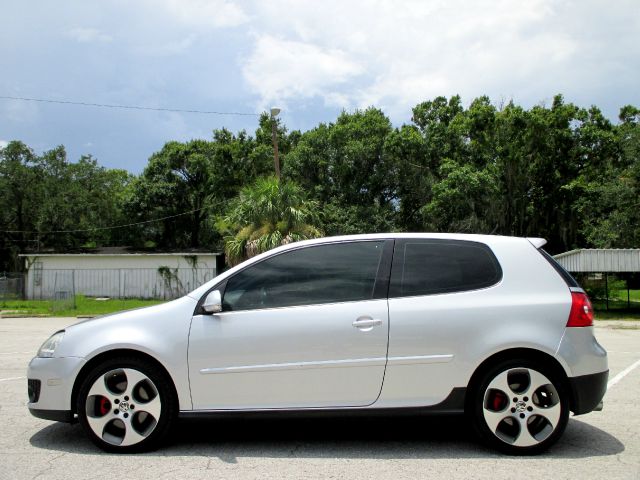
{"type": "Point", "coordinates": [213, 302]}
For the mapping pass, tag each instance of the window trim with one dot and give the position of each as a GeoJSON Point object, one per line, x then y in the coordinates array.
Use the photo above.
{"type": "Point", "coordinates": [395, 284]}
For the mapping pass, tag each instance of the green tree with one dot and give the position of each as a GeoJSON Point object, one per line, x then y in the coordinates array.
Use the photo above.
{"type": "Point", "coordinates": [20, 192]}
{"type": "Point", "coordinates": [79, 200]}
{"type": "Point", "coordinates": [177, 180]}
{"type": "Point", "coordinates": [49, 202]}
{"type": "Point", "coordinates": [267, 214]}
{"type": "Point", "coordinates": [97, 195]}
{"type": "Point", "coordinates": [344, 165]}
{"type": "Point", "coordinates": [607, 191]}
{"type": "Point", "coordinates": [411, 175]}
{"type": "Point", "coordinates": [461, 199]}
{"type": "Point", "coordinates": [197, 177]}
{"type": "Point", "coordinates": [437, 121]}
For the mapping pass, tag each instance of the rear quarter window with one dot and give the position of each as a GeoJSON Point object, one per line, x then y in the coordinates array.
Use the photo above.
{"type": "Point", "coordinates": [427, 267]}
{"type": "Point", "coordinates": [566, 276]}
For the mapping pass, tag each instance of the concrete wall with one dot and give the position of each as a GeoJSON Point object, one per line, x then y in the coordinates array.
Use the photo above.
{"type": "Point", "coordinates": [117, 275]}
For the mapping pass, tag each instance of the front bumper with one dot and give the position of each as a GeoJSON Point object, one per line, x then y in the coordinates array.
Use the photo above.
{"type": "Point", "coordinates": [55, 415]}
{"type": "Point", "coordinates": [587, 392]}
{"type": "Point", "coordinates": [56, 377]}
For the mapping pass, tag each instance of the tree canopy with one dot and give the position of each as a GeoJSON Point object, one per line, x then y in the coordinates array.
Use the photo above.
{"type": "Point", "coordinates": [267, 214]}
{"type": "Point", "coordinates": [559, 171]}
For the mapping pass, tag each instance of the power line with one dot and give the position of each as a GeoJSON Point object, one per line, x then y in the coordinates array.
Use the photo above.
{"type": "Point", "coordinates": [128, 107]}
{"type": "Point", "coordinates": [104, 228]}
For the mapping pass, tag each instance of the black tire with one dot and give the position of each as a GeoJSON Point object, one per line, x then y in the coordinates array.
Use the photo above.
{"type": "Point", "coordinates": [126, 405]}
{"type": "Point", "coordinates": [500, 417]}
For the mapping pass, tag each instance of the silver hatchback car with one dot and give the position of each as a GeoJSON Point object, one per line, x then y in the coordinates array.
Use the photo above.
{"type": "Point", "coordinates": [487, 326]}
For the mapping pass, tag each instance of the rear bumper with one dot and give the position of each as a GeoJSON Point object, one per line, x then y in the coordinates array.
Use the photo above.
{"type": "Point", "coordinates": [587, 391]}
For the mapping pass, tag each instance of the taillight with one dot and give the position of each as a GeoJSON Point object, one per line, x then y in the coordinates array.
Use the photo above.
{"type": "Point", "coordinates": [581, 314]}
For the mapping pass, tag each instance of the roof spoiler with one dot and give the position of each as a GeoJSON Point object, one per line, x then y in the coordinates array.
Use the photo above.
{"type": "Point", "coordinates": [537, 242]}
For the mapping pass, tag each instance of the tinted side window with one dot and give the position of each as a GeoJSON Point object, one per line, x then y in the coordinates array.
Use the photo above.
{"type": "Point", "coordinates": [424, 267]}
{"type": "Point", "coordinates": [338, 272]}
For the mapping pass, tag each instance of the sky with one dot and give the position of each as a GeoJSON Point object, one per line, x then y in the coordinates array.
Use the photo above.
{"type": "Point", "coordinates": [311, 59]}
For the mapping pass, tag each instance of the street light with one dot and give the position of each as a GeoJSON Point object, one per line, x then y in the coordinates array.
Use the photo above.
{"type": "Point", "coordinates": [274, 137]}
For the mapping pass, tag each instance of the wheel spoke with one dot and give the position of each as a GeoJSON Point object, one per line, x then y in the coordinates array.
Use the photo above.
{"type": "Point", "coordinates": [493, 419]}
{"type": "Point", "coordinates": [501, 383]}
{"type": "Point", "coordinates": [133, 378]}
{"type": "Point", "coordinates": [100, 388]}
{"type": "Point", "coordinates": [97, 424]}
{"type": "Point", "coordinates": [537, 380]}
{"type": "Point", "coordinates": [153, 408]}
{"type": "Point", "coordinates": [524, 438]}
{"type": "Point", "coordinates": [131, 437]}
{"type": "Point", "coordinates": [551, 414]}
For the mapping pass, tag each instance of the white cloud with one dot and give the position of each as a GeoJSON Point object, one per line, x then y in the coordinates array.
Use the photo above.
{"type": "Point", "coordinates": [279, 70]}
{"type": "Point", "coordinates": [88, 35]}
{"type": "Point", "coordinates": [205, 13]}
{"type": "Point", "coordinates": [3, 143]}
{"type": "Point", "coordinates": [394, 55]}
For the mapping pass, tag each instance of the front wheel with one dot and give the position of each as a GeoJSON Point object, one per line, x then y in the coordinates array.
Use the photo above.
{"type": "Point", "coordinates": [126, 405]}
{"type": "Point", "coordinates": [520, 407]}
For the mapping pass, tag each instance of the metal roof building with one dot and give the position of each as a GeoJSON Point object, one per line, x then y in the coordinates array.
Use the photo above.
{"type": "Point", "coordinates": [601, 260]}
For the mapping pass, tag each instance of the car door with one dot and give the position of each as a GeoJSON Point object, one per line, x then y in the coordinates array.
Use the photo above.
{"type": "Point", "coordinates": [304, 328]}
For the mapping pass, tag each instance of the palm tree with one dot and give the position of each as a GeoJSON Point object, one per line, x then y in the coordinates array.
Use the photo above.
{"type": "Point", "coordinates": [268, 214]}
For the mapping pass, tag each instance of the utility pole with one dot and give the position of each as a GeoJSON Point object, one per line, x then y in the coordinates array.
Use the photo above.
{"type": "Point", "coordinates": [274, 137]}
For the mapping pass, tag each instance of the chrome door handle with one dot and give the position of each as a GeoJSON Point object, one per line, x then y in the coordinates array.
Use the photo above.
{"type": "Point", "coordinates": [367, 322]}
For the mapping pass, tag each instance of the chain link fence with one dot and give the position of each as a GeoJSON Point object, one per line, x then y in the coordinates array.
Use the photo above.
{"type": "Point", "coordinates": [162, 283]}
{"type": "Point", "coordinates": [619, 291]}
{"type": "Point", "coordinates": [12, 286]}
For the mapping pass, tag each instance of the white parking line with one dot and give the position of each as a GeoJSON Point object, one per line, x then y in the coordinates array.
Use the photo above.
{"type": "Point", "coordinates": [11, 378]}
{"type": "Point", "coordinates": [622, 374]}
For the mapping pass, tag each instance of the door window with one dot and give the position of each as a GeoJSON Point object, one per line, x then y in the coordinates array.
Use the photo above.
{"type": "Point", "coordinates": [339, 272]}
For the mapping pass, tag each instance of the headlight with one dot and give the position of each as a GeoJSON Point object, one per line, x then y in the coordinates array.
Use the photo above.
{"type": "Point", "coordinates": [49, 347]}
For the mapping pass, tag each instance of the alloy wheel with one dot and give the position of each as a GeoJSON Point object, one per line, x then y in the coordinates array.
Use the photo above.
{"type": "Point", "coordinates": [123, 407]}
{"type": "Point", "coordinates": [522, 407]}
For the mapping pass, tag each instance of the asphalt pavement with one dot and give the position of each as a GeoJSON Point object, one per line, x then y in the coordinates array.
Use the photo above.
{"type": "Point", "coordinates": [597, 445]}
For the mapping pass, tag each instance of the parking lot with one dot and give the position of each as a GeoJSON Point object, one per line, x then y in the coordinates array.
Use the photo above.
{"type": "Point", "coordinates": [598, 445]}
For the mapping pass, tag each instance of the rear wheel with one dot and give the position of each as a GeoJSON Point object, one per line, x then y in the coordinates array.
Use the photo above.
{"type": "Point", "coordinates": [520, 407]}
{"type": "Point", "coordinates": [126, 405]}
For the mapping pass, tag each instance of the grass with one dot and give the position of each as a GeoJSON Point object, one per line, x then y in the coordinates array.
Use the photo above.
{"type": "Point", "coordinates": [616, 314]}
{"type": "Point", "coordinates": [618, 306]}
{"type": "Point", "coordinates": [621, 295]}
{"type": "Point", "coordinates": [64, 308]}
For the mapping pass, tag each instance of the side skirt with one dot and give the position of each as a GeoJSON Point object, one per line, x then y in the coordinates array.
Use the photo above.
{"type": "Point", "coordinates": [452, 405]}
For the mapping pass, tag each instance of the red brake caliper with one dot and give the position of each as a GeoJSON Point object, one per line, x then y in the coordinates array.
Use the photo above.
{"type": "Point", "coordinates": [498, 400]}
{"type": "Point", "coordinates": [104, 406]}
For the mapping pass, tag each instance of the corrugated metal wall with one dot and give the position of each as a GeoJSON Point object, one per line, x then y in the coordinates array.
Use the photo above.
{"type": "Point", "coordinates": [116, 282]}
{"type": "Point", "coordinates": [601, 260]}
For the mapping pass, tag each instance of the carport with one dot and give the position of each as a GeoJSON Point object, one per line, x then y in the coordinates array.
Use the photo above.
{"type": "Point", "coordinates": [622, 262]}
